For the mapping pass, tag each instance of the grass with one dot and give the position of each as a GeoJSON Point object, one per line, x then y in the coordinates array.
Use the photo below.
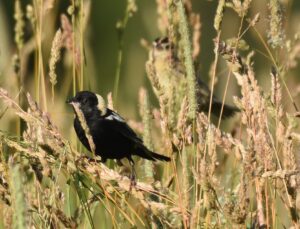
{"type": "Point", "coordinates": [237, 173]}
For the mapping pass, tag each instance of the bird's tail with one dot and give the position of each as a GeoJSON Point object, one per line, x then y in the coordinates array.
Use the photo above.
{"type": "Point", "coordinates": [147, 154]}
{"type": "Point", "coordinates": [160, 157]}
{"type": "Point", "coordinates": [228, 111]}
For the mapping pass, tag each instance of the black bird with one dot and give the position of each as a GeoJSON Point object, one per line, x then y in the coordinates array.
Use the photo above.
{"type": "Point", "coordinates": [171, 74]}
{"type": "Point", "coordinates": [112, 137]}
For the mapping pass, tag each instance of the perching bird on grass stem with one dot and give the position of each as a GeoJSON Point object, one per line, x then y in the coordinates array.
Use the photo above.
{"type": "Point", "coordinates": [112, 137]}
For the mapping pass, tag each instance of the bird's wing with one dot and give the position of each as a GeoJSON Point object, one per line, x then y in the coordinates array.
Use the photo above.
{"type": "Point", "coordinates": [203, 89]}
{"type": "Point", "coordinates": [118, 124]}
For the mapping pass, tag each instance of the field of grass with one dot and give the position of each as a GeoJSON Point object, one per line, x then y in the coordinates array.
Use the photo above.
{"type": "Point", "coordinates": [240, 172]}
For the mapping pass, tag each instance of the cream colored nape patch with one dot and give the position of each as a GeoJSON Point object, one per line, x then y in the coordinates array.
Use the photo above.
{"type": "Point", "coordinates": [101, 104]}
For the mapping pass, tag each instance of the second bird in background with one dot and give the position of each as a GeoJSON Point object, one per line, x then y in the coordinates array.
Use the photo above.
{"type": "Point", "coordinates": [169, 72]}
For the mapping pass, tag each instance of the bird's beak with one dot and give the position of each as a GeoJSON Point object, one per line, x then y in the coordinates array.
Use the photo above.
{"type": "Point", "coordinates": [70, 100]}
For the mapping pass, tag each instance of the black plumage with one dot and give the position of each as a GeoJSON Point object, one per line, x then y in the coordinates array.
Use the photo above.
{"type": "Point", "coordinates": [112, 137]}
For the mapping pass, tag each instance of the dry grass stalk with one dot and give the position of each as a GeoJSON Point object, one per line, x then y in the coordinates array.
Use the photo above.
{"type": "Point", "coordinates": [19, 27]}
{"type": "Point", "coordinates": [276, 33]}
{"type": "Point", "coordinates": [241, 7]}
{"type": "Point", "coordinates": [188, 61]}
{"type": "Point", "coordinates": [293, 52]}
{"type": "Point", "coordinates": [54, 58]}
{"type": "Point", "coordinates": [85, 127]}
{"type": "Point", "coordinates": [262, 155]}
{"type": "Point", "coordinates": [68, 39]}
{"type": "Point", "coordinates": [195, 23]}
{"type": "Point", "coordinates": [162, 21]}
{"type": "Point", "coordinates": [219, 15]}
{"type": "Point", "coordinates": [164, 119]}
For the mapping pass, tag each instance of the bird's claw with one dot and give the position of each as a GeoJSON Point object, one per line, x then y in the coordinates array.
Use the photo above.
{"type": "Point", "coordinates": [132, 181]}
{"type": "Point", "coordinates": [89, 159]}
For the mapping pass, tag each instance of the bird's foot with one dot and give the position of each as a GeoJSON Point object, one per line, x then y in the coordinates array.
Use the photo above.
{"type": "Point", "coordinates": [89, 159]}
{"type": "Point", "coordinates": [119, 163]}
{"type": "Point", "coordinates": [132, 181]}
{"type": "Point", "coordinates": [81, 158]}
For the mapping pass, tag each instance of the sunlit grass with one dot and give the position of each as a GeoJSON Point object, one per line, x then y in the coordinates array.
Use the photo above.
{"type": "Point", "coordinates": [247, 177]}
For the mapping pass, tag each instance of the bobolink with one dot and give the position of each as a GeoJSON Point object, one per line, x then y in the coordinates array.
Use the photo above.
{"type": "Point", "coordinates": [112, 137]}
{"type": "Point", "coordinates": [171, 75]}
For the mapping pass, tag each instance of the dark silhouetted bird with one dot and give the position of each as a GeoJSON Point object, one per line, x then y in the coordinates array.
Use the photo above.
{"type": "Point", "coordinates": [171, 75]}
{"type": "Point", "coordinates": [112, 137]}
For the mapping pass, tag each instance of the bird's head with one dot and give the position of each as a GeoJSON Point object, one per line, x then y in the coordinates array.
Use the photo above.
{"type": "Point", "coordinates": [162, 48]}
{"type": "Point", "coordinates": [88, 102]}
{"type": "Point", "coordinates": [162, 56]}
{"type": "Point", "coordinates": [162, 44]}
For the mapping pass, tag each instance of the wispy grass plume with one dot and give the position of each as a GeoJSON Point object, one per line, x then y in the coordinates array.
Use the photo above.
{"type": "Point", "coordinates": [188, 58]}
{"type": "Point", "coordinates": [54, 58]}
{"type": "Point", "coordinates": [276, 33]}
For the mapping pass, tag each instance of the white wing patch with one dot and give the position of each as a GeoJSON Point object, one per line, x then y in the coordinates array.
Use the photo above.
{"type": "Point", "coordinates": [115, 116]}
